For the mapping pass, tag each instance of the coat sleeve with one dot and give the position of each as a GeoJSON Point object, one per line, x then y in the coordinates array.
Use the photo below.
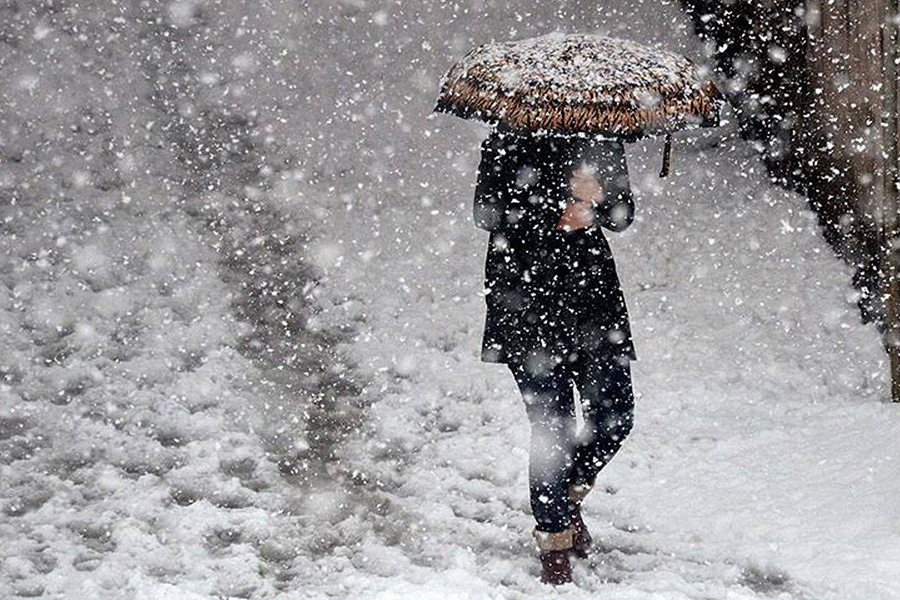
{"type": "Point", "coordinates": [616, 211]}
{"type": "Point", "coordinates": [510, 195]}
{"type": "Point", "coordinates": [490, 202]}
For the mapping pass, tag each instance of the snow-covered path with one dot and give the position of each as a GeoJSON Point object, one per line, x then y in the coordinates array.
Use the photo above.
{"type": "Point", "coordinates": [166, 424]}
{"type": "Point", "coordinates": [763, 460]}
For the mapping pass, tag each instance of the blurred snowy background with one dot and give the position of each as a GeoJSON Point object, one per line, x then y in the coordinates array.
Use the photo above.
{"type": "Point", "coordinates": [241, 316]}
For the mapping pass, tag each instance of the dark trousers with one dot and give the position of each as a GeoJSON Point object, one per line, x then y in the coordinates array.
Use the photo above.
{"type": "Point", "coordinates": [557, 458]}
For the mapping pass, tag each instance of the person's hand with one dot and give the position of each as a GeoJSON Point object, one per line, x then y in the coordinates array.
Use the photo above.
{"type": "Point", "coordinates": [584, 185]}
{"type": "Point", "coordinates": [578, 214]}
{"type": "Point", "coordinates": [586, 192]}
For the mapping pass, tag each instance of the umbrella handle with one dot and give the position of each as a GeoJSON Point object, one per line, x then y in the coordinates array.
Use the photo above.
{"type": "Point", "coordinates": [667, 155]}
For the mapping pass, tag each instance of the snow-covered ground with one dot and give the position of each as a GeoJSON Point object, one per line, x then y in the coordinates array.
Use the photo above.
{"type": "Point", "coordinates": [151, 446]}
{"type": "Point", "coordinates": [763, 459]}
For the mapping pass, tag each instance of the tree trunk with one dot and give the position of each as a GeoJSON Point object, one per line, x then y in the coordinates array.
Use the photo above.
{"type": "Point", "coordinates": [891, 156]}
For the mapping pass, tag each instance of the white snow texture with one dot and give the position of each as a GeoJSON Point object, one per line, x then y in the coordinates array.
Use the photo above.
{"type": "Point", "coordinates": [242, 308]}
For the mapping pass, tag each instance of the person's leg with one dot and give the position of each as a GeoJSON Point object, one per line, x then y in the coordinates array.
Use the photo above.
{"type": "Point", "coordinates": [549, 403]}
{"type": "Point", "coordinates": [607, 401]}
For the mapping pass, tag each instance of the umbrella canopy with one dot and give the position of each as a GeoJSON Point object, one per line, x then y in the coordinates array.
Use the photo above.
{"type": "Point", "coordinates": [580, 83]}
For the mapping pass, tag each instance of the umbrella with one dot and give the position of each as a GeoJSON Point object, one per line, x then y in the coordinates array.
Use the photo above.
{"type": "Point", "coordinates": [581, 84]}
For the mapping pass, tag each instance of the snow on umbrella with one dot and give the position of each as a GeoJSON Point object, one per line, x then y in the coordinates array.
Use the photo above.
{"type": "Point", "coordinates": [581, 83]}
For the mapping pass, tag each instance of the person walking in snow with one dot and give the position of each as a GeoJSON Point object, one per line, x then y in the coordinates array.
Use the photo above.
{"type": "Point", "coordinates": [556, 315]}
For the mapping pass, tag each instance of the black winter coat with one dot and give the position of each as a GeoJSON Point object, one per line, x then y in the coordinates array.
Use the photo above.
{"type": "Point", "coordinates": [551, 295]}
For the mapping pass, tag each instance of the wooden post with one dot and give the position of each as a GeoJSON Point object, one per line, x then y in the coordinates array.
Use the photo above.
{"type": "Point", "coordinates": [891, 158]}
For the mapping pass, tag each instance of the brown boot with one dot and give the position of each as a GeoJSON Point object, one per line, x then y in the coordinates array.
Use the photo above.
{"type": "Point", "coordinates": [555, 567]}
{"type": "Point", "coordinates": [554, 554]}
{"type": "Point", "coordinates": [581, 539]}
